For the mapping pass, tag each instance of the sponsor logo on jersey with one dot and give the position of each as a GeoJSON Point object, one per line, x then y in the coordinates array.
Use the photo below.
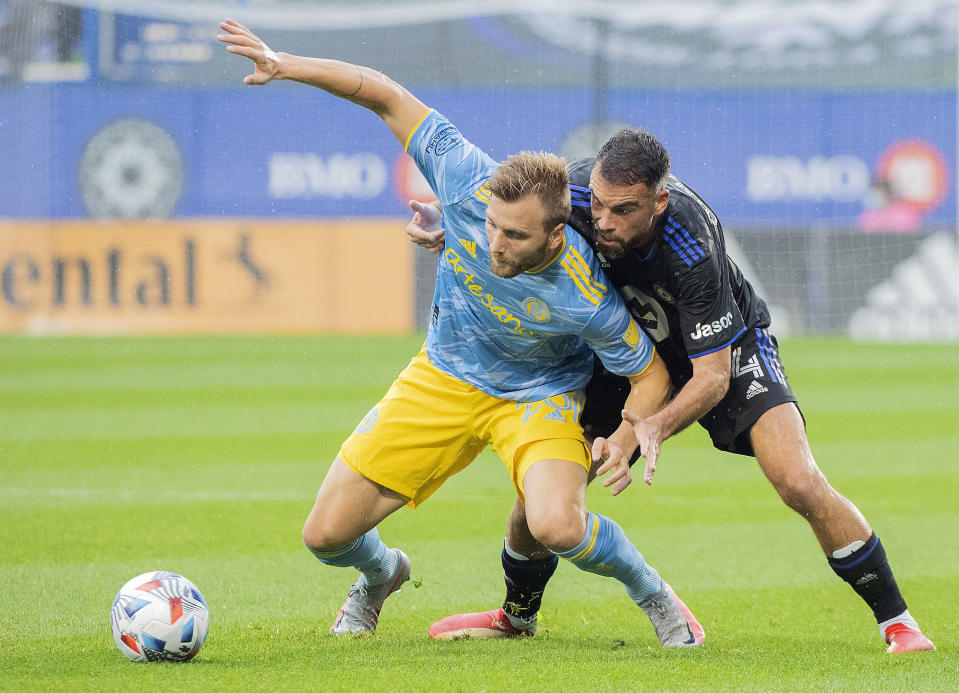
{"type": "Point", "coordinates": [631, 335]}
{"type": "Point", "coordinates": [486, 299]}
{"type": "Point", "coordinates": [443, 140]}
{"type": "Point", "coordinates": [648, 313]}
{"type": "Point", "coordinates": [470, 247]}
{"type": "Point", "coordinates": [711, 328]}
{"type": "Point", "coordinates": [537, 309]}
{"type": "Point", "coordinates": [755, 388]}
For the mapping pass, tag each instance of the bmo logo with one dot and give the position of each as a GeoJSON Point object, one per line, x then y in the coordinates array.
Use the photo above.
{"type": "Point", "coordinates": [916, 170]}
{"type": "Point", "coordinates": [361, 176]}
{"type": "Point", "coordinates": [842, 178]}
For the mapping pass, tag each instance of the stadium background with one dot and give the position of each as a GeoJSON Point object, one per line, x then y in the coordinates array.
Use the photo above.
{"type": "Point", "coordinates": [149, 196]}
{"type": "Point", "coordinates": [146, 190]}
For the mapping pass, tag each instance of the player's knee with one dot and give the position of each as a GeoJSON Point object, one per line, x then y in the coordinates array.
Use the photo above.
{"type": "Point", "coordinates": [313, 539]}
{"type": "Point", "coordinates": [319, 534]}
{"type": "Point", "coordinates": [558, 529]}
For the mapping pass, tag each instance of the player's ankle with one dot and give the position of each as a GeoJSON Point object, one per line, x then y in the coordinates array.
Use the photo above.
{"type": "Point", "coordinates": [524, 622]}
{"type": "Point", "coordinates": [905, 619]}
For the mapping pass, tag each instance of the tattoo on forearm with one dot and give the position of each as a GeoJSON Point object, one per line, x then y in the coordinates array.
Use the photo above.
{"type": "Point", "coordinates": [360, 86]}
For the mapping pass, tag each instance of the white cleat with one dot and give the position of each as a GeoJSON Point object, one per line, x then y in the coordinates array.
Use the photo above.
{"type": "Point", "coordinates": [674, 623]}
{"type": "Point", "coordinates": [361, 611]}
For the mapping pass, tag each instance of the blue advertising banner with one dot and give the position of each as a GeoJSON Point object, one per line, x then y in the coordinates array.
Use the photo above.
{"type": "Point", "coordinates": [767, 159]}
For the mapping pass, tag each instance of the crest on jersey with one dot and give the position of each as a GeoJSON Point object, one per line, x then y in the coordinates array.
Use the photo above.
{"type": "Point", "coordinates": [631, 335]}
{"type": "Point", "coordinates": [663, 294]}
{"type": "Point", "coordinates": [537, 310]}
{"type": "Point", "coordinates": [443, 140]}
{"type": "Point", "coordinates": [470, 247]}
{"type": "Point", "coordinates": [368, 422]}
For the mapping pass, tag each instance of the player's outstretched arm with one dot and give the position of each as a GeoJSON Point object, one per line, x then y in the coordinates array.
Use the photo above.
{"type": "Point", "coordinates": [399, 109]}
{"type": "Point", "coordinates": [648, 393]}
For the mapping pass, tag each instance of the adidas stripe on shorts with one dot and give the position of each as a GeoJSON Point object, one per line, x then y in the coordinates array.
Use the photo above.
{"type": "Point", "coordinates": [757, 384]}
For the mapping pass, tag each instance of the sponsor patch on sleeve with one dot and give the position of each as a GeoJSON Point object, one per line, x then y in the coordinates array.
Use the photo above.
{"type": "Point", "coordinates": [443, 140]}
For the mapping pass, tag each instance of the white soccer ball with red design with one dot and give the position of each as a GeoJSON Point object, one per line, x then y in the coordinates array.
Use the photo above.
{"type": "Point", "coordinates": [159, 616]}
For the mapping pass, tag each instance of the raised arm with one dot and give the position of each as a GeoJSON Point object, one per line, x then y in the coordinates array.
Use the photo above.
{"type": "Point", "coordinates": [399, 109]}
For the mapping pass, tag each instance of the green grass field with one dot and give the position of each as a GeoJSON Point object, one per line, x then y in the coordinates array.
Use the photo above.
{"type": "Point", "coordinates": [202, 456]}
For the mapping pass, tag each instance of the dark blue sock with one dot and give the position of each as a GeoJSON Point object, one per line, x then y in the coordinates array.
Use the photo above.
{"type": "Point", "coordinates": [525, 583]}
{"type": "Point", "coordinates": [867, 571]}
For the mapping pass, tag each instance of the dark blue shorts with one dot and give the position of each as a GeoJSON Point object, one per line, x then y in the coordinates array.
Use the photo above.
{"type": "Point", "coordinates": [757, 384]}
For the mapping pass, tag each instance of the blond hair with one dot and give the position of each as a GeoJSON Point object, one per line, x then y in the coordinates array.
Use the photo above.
{"type": "Point", "coordinates": [535, 173]}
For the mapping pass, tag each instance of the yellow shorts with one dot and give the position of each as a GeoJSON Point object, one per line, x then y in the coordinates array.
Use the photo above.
{"type": "Point", "coordinates": [430, 425]}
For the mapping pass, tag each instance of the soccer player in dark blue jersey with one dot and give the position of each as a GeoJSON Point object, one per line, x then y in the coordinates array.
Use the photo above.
{"type": "Point", "coordinates": [663, 249]}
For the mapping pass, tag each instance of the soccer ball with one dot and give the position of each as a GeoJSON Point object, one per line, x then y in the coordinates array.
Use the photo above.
{"type": "Point", "coordinates": [159, 616]}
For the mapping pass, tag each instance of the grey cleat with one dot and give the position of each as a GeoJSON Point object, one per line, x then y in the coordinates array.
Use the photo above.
{"type": "Point", "coordinates": [674, 623]}
{"type": "Point", "coordinates": [361, 611]}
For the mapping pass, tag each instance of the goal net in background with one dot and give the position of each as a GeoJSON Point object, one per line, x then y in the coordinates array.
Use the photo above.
{"type": "Point", "coordinates": [147, 190]}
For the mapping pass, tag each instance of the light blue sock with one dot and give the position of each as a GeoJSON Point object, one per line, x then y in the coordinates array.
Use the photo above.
{"type": "Point", "coordinates": [367, 554]}
{"type": "Point", "coordinates": [605, 550]}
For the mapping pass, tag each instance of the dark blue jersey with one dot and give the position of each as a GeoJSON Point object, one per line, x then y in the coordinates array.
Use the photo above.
{"type": "Point", "coordinates": [684, 291]}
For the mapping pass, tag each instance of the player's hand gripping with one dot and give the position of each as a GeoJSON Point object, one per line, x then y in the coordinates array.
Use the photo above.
{"type": "Point", "coordinates": [242, 41]}
{"type": "Point", "coordinates": [615, 462]}
{"type": "Point", "coordinates": [650, 437]}
{"type": "Point", "coordinates": [425, 229]}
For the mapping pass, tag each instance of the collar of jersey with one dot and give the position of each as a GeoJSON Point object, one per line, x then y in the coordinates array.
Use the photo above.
{"type": "Point", "coordinates": [652, 249]}
{"type": "Point", "coordinates": [560, 254]}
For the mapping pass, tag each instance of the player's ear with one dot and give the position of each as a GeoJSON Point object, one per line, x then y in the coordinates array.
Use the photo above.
{"type": "Point", "coordinates": [557, 236]}
{"type": "Point", "coordinates": [662, 199]}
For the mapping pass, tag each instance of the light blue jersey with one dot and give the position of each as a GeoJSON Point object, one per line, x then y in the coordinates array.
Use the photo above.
{"type": "Point", "coordinates": [528, 337]}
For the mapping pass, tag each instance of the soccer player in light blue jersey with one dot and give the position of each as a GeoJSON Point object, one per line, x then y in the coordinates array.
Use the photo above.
{"type": "Point", "coordinates": [520, 303]}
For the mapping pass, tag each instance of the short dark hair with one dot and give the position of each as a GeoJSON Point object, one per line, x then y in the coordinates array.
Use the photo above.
{"type": "Point", "coordinates": [541, 174]}
{"type": "Point", "coordinates": [634, 156]}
